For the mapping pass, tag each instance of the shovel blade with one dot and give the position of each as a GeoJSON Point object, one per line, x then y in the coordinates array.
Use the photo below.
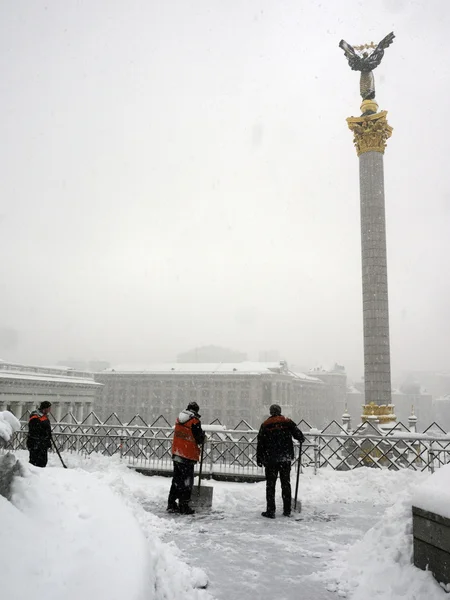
{"type": "Point", "coordinates": [298, 508]}
{"type": "Point", "coordinates": [201, 499]}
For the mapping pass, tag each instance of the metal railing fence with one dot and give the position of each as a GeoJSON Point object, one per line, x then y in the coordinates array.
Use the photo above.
{"type": "Point", "coordinates": [232, 452]}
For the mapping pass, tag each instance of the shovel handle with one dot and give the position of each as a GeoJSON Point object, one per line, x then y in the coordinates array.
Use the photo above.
{"type": "Point", "coordinates": [58, 453]}
{"type": "Point", "coordinates": [298, 475]}
{"type": "Point", "coordinates": [201, 468]}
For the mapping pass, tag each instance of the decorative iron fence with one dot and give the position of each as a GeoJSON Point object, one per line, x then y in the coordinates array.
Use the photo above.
{"type": "Point", "coordinates": [232, 452]}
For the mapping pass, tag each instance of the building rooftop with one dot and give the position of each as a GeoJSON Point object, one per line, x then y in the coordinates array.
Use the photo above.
{"type": "Point", "coordinates": [46, 374]}
{"type": "Point", "coordinates": [247, 367]}
{"type": "Point", "coordinates": [309, 378]}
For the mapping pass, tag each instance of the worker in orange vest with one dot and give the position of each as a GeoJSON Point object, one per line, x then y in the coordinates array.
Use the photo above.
{"type": "Point", "coordinates": [39, 435]}
{"type": "Point", "coordinates": [187, 439]}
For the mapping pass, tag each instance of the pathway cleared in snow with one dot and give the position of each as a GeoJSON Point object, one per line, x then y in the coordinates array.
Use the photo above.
{"type": "Point", "coordinates": [247, 556]}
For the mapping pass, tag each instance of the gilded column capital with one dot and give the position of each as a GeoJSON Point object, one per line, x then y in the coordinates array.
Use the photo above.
{"type": "Point", "coordinates": [370, 132]}
{"type": "Point", "coordinates": [383, 413]}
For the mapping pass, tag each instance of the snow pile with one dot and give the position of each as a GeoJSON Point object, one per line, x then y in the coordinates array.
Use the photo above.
{"type": "Point", "coordinates": [380, 565]}
{"type": "Point", "coordinates": [376, 486]}
{"type": "Point", "coordinates": [434, 495]}
{"type": "Point", "coordinates": [97, 531]}
{"type": "Point", "coordinates": [66, 534]}
{"type": "Point", "coordinates": [8, 425]}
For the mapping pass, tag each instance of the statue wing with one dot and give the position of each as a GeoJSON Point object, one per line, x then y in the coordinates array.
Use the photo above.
{"type": "Point", "coordinates": [356, 62]}
{"type": "Point", "coordinates": [375, 58]}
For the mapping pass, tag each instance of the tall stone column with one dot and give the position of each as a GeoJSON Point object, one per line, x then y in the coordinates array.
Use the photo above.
{"type": "Point", "coordinates": [79, 411]}
{"type": "Point", "coordinates": [89, 411]}
{"type": "Point", "coordinates": [370, 135]}
{"type": "Point", "coordinates": [57, 412]}
{"type": "Point", "coordinates": [18, 409]}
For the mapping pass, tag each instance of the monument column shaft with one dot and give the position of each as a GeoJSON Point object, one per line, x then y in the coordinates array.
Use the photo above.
{"type": "Point", "coordinates": [377, 363]}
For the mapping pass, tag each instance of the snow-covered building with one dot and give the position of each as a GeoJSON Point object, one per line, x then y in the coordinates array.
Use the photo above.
{"type": "Point", "coordinates": [311, 399]}
{"type": "Point", "coordinates": [441, 411]}
{"type": "Point", "coordinates": [23, 387]}
{"type": "Point", "coordinates": [335, 379]}
{"type": "Point", "coordinates": [230, 392]}
{"type": "Point", "coordinates": [413, 397]}
{"type": "Point", "coordinates": [436, 382]}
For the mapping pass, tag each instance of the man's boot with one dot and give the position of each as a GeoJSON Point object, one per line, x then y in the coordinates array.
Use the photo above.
{"type": "Point", "coordinates": [173, 507]}
{"type": "Point", "coordinates": [185, 509]}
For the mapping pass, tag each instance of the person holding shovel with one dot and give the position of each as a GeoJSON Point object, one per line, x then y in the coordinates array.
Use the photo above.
{"type": "Point", "coordinates": [39, 439]}
{"type": "Point", "coordinates": [275, 451]}
{"type": "Point", "coordinates": [187, 439]}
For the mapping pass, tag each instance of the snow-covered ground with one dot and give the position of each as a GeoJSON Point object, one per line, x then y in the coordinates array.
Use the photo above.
{"type": "Point", "coordinates": [99, 531]}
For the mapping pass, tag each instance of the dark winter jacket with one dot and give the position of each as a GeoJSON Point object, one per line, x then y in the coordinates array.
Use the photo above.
{"type": "Point", "coordinates": [275, 440]}
{"type": "Point", "coordinates": [39, 431]}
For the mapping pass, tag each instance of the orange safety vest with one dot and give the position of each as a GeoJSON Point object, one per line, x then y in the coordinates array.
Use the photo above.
{"type": "Point", "coordinates": [35, 416]}
{"type": "Point", "coordinates": [184, 443]}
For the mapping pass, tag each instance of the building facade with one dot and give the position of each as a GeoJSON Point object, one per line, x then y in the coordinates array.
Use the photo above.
{"type": "Point", "coordinates": [228, 392]}
{"type": "Point", "coordinates": [441, 411]}
{"type": "Point", "coordinates": [335, 379]}
{"type": "Point", "coordinates": [23, 388]}
{"type": "Point", "coordinates": [311, 401]}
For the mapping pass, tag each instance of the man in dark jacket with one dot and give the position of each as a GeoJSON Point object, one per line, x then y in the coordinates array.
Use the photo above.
{"type": "Point", "coordinates": [39, 435]}
{"type": "Point", "coordinates": [187, 439]}
{"type": "Point", "coordinates": [275, 450]}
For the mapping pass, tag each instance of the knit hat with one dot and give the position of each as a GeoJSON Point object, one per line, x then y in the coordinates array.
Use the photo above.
{"type": "Point", "coordinates": [275, 410]}
{"type": "Point", "coordinates": [193, 406]}
{"type": "Point", "coordinates": [45, 404]}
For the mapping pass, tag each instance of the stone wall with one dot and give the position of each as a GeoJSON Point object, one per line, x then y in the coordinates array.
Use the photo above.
{"type": "Point", "coordinates": [432, 543]}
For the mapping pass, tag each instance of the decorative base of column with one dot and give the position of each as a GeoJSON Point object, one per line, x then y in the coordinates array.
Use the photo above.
{"type": "Point", "coordinates": [382, 414]}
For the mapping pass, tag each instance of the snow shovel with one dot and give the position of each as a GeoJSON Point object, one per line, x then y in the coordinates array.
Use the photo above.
{"type": "Point", "coordinates": [201, 498]}
{"type": "Point", "coordinates": [297, 504]}
{"type": "Point", "coordinates": [57, 452]}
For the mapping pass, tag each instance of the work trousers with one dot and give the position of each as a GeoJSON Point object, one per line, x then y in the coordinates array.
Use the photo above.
{"type": "Point", "coordinates": [39, 456]}
{"type": "Point", "coordinates": [283, 469]}
{"type": "Point", "coordinates": [182, 483]}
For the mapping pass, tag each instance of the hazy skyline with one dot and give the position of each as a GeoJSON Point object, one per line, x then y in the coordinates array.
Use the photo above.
{"type": "Point", "coordinates": [181, 174]}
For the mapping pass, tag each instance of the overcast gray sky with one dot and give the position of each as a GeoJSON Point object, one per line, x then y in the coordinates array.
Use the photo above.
{"type": "Point", "coordinates": [178, 173]}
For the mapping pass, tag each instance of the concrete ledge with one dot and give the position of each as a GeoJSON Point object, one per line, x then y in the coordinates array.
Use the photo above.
{"type": "Point", "coordinates": [216, 476]}
{"type": "Point", "coordinates": [432, 543]}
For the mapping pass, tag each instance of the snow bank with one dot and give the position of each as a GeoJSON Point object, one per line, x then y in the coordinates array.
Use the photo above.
{"type": "Point", "coordinates": [380, 565]}
{"type": "Point", "coordinates": [8, 425]}
{"type": "Point", "coordinates": [65, 535]}
{"type": "Point", "coordinates": [68, 534]}
{"type": "Point", "coordinates": [376, 486]}
{"type": "Point", "coordinates": [434, 495]}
